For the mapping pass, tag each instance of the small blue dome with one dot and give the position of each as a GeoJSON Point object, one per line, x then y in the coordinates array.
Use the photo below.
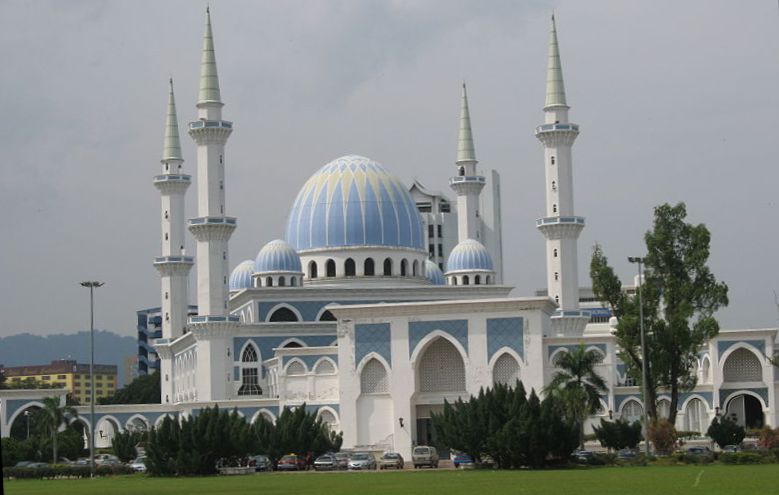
{"type": "Point", "coordinates": [469, 255]}
{"type": "Point", "coordinates": [241, 278]}
{"type": "Point", "coordinates": [277, 256]}
{"type": "Point", "coordinates": [434, 274]}
{"type": "Point", "coordinates": [354, 201]}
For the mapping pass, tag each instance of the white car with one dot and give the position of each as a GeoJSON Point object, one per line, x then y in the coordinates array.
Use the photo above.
{"type": "Point", "coordinates": [139, 464]}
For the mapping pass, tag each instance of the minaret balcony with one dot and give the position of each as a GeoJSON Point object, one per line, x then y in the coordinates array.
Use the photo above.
{"type": "Point", "coordinates": [477, 179]}
{"type": "Point", "coordinates": [174, 259]}
{"type": "Point", "coordinates": [557, 134]}
{"type": "Point", "coordinates": [557, 127]}
{"type": "Point", "coordinates": [172, 178]}
{"type": "Point", "coordinates": [213, 221]}
{"type": "Point", "coordinates": [202, 124]}
{"type": "Point", "coordinates": [560, 227]}
{"type": "Point", "coordinates": [212, 228]}
{"type": "Point", "coordinates": [467, 184]}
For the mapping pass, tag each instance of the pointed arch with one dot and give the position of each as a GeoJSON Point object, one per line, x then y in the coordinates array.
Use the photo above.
{"type": "Point", "coordinates": [369, 267]}
{"type": "Point", "coordinates": [440, 364]}
{"type": "Point", "coordinates": [388, 267]}
{"type": "Point", "coordinates": [325, 366]}
{"type": "Point", "coordinates": [292, 342]}
{"type": "Point", "coordinates": [295, 367]}
{"type": "Point", "coordinates": [350, 268]}
{"type": "Point", "coordinates": [330, 268]}
{"type": "Point", "coordinates": [415, 268]}
{"type": "Point", "coordinates": [137, 422]}
{"type": "Point", "coordinates": [506, 369]}
{"type": "Point", "coordinates": [374, 378]}
{"type": "Point", "coordinates": [742, 365]}
{"type": "Point", "coordinates": [283, 312]}
{"type": "Point", "coordinates": [313, 271]}
{"type": "Point", "coordinates": [264, 413]}
{"type": "Point", "coordinates": [328, 416]}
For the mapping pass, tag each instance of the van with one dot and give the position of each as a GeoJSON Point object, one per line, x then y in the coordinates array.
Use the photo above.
{"type": "Point", "coordinates": [424, 455]}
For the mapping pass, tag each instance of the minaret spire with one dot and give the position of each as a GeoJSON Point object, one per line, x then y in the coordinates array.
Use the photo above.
{"type": "Point", "coordinates": [171, 145]}
{"type": "Point", "coordinates": [465, 149]}
{"type": "Point", "coordinates": [209, 93]}
{"type": "Point", "coordinates": [555, 88]}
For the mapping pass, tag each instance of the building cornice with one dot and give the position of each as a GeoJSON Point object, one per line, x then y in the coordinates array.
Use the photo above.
{"type": "Point", "coordinates": [449, 307]}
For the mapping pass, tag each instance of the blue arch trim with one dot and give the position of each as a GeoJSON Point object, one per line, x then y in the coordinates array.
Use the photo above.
{"type": "Point", "coordinates": [417, 330]}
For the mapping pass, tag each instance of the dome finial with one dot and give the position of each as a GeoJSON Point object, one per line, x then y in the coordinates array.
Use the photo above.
{"type": "Point", "coordinates": [466, 153]}
{"type": "Point", "coordinates": [171, 145]}
{"type": "Point", "coordinates": [209, 80]}
{"type": "Point", "coordinates": [555, 89]}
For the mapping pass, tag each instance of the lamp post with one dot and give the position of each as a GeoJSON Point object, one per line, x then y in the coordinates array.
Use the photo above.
{"type": "Point", "coordinates": [92, 286]}
{"type": "Point", "coordinates": [27, 417]}
{"type": "Point", "coordinates": [640, 262]}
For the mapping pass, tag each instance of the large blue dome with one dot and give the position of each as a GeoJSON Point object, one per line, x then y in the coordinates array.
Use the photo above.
{"type": "Point", "coordinates": [354, 201]}
{"type": "Point", "coordinates": [277, 256]}
{"type": "Point", "coordinates": [469, 255]}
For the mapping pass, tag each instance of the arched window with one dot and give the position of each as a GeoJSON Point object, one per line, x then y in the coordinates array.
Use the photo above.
{"type": "Point", "coordinates": [330, 267]}
{"type": "Point", "coordinates": [268, 281]}
{"type": "Point", "coordinates": [373, 378]}
{"type": "Point", "coordinates": [282, 281]}
{"type": "Point", "coordinates": [349, 268]}
{"type": "Point", "coordinates": [388, 267]}
{"type": "Point", "coordinates": [312, 270]}
{"type": "Point", "coordinates": [461, 172]}
{"type": "Point", "coordinates": [249, 354]}
{"type": "Point", "coordinates": [557, 275]}
{"type": "Point", "coordinates": [293, 281]}
{"type": "Point", "coordinates": [477, 280]}
{"type": "Point", "coordinates": [283, 314]}
{"type": "Point", "coordinates": [489, 280]}
{"type": "Point", "coordinates": [453, 280]}
{"type": "Point", "coordinates": [632, 411]}
{"type": "Point", "coordinates": [554, 186]}
{"type": "Point", "coordinates": [403, 266]}
{"type": "Point", "coordinates": [327, 418]}
{"type": "Point", "coordinates": [441, 368]}
{"type": "Point", "coordinates": [705, 370]}
{"type": "Point", "coordinates": [466, 281]}
{"type": "Point", "coordinates": [505, 370]}
{"type": "Point", "coordinates": [554, 252]}
{"type": "Point", "coordinates": [325, 367]}
{"type": "Point", "coordinates": [552, 159]}
{"type": "Point", "coordinates": [554, 208]}
{"type": "Point", "coordinates": [368, 268]}
{"type": "Point", "coordinates": [415, 268]}
{"type": "Point", "coordinates": [296, 368]}
{"type": "Point", "coordinates": [742, 366]}
{"type": "Point", "coordinates": [249, 374]}
{"type": "Point", "coordinates": [327, 316]}
{"type": "Point", "coordinates": [695, 417]}
{"type": "Point", "coordinates": [292, 345]}
{"type": "Point", "coordinates": [664, 408]}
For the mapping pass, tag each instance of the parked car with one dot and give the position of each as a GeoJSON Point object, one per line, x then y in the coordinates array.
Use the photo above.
{"type": "Point", "coordinates": [292, 462]}
{"type": "Point", "coordinates": [139, 464]}
{"type": "Point", "coordinates": [626, 454]}
{"type": "Point", "coordinates": [391, 460]}
{"type": "Point", "coordinates": [703, 452]}
{"type": "Point", "coordinates": [260, 463]}
{"type": "Point", "coordinates": [342, 460]}
{"type": "Point", "coordinates": [325, 462]}
{"type": "Point", "coordinates": [731, 448]}
{"type": "Point", "coordinates": [583, 455]}
{"type": "Point", "coordinates": [362, 461]}
{"type": "Point", "coordinates": [424, 455]}
{"type": "Point", "coordinates": [463, 461]}
{"type": "Point", "coordinates": [106, 460]}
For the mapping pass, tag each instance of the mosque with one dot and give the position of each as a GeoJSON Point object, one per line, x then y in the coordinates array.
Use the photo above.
{"type": "Point", "coordinates": [381, 300]}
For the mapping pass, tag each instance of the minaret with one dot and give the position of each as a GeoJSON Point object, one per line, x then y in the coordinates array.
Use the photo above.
{"type": "Point", "coordinates": [560, 226]}
{"type": "Point", "coordinates": [212, 230]}
{"type": "Point", "coordinates": [173, 265]}
{"type": "Point", "coordinates": [467, 184]}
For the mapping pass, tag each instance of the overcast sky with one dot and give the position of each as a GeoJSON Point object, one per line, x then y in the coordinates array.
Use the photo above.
{"type": "Point", "coordinates": [677, 101]}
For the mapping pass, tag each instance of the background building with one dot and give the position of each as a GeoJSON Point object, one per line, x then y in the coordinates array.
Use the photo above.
{"type": "Point", "coordinates": [70, 375]}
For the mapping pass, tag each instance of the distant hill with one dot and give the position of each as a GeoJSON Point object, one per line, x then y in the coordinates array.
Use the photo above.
{"type": "Point", "coordinates": [28, 349]}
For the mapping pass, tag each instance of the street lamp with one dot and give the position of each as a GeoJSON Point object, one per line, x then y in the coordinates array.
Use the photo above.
{"type": "Point", "coordinates": [640, 262]}
{"type": "Point", "coordinates": [27, 417]}
{"type": "Point", "coordinates": [92, 286]}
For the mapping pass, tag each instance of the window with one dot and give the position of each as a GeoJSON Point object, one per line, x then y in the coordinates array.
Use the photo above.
{"type": "Point", "coordinates": [454, 280]}
{"type": "Point", "coordinates": [312, 271]}
{"type": "Point", "coordinates": [552, 160]}
{"type": "Point", "coordinates": [46, 378]}
{"type": "Point", "coordinates": [325, 367]}
{"type": "Point", "coordinates": [282, 281]}
{"type": "Point", "coordinates": [554, 252]}
{"type": "Point", "coordinates": [554, 208]}
{"type": "Point", "coordinates": [293, 281]}
{"type": "Point", "coordinates": [632, 411]}
{"type": "Point", "coordinates": [61, 377]}
{"type": "Point", "coordinates": [554, 186]}
{"type": "Point", "coordinates": [296, 368]}
{"type": "Point", "coordinates": [349, 268]}
{"type": "Point", "coordinates": [373, 378]}
{"type": "Point", "coordinates": [268, 281]}
{"type": "Point", "coordinates": [461, 172]}
{"type": "Point", "coordinates": [742, 366]}
{"type": "Point", "coordinates": [414, 268]}
{"type": "Point", "coordinates": [283, 314]}
{"type": "Point", "coordinates": [431, 230]}
{"type": "Point", "coordinates": [557, 299]}
{"type": "Point", "coordinates": [477, 280]}
{"type": "Point", "coordinates": [403, 264]}
{"type": "Point", "coordinates": [250, 382]}
{"type": "Point", "coordinates": [556, 275]}
{"type": "Point", "coordinates": [166, 214]}
{"type": "Point", "coordinates": [166, 296]}
{"type": "Point", "coordinates": [505, 370]}
{"type": "Point", "coordinates": [330, 268]}
{"type": "Point", "coordinates": [387, 267]}
{"type": "Point", "coordinates": [440, 231]}
{"type": "Point", "coordinates": [440, 250]}
{"type": "Point", "coordinates": [445, 207]}
{"type": "Point", "coordinates": [441, 368]}
{"type": "Point", "coordinates": [166, 236]}
{"type": "Point", "coordinates": [369, 268]}
{"type": "Point", "coordinates": [466, 281]}
{"type": "Point", "coordinates": [327, 316]}
{"type": "Point", "coordinates": [431, 249]}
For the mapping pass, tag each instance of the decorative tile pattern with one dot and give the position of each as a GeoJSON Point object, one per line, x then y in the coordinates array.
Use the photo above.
{"type": "Point", "coordinates": [505, 332]}
{"type": "Point", "coordinates": [372, 337]}
{"type": "Point", "coordinates": [417, 330]}
{"type": "Point", "coordinates": [724, 345]}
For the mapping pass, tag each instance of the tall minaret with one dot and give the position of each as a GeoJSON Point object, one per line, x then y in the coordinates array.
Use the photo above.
{"type": "Point", "coordinates": [467, 184]}
{"type": "Point", "coordinates": [560, 227]}
{"type": "Point", "coordinates": [212, 230]}
{"type": "Point", "coordinates": [173, 265]}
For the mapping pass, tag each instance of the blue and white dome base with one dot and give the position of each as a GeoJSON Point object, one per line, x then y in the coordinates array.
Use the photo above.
{"type": "Point", "coordinates": [470, 263]}
{"type": "Point", "coordinates": [277, 265]}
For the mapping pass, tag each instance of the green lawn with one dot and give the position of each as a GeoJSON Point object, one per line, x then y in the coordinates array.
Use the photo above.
{"type": "Point", "coordinates": [709, 480]}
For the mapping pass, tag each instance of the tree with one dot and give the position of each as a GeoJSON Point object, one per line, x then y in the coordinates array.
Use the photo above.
{"type": "Point", "coordinates": [679, 296]}
{"type": "Point", "coordinates": [578, 385]}
{"type": "Point", "coordinates": [124, 442]}
{"type": "Point", "coordinates": [143, 390]}
{"type": "Point", "coordinates": [296, 430]}
{"type": "Point", "coordinates": [662, 434]}
{"type": "Point", "coordinates": [618, 434]}
{"type": "Point", "coordinates": [725, 431]}
{"type": "Point", "coordinates": [50, 418]}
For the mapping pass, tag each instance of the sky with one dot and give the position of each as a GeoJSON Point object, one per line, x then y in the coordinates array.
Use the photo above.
{"type": "Point", "coordinates": [677, 101]}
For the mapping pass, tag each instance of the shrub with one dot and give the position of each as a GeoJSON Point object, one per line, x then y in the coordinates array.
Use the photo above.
{"type": "Point", "coordinates": [726, 432]}
{"type": "Point", "coordinates": [123, 444]}
{"type": "Point", "coordinates": [768, 438]}
{"type": "Point", "coordinates": [63, 471]}
{"type": "Point", "coordinates": [745, 458]}
{"type": "Point", "coordinates": [663, 435]}
{"type": "Point", "coordinates": [618, 434]}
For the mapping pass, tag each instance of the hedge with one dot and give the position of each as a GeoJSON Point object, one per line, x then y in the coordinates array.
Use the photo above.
{"type": "Point", "coordinates": [63, 471]}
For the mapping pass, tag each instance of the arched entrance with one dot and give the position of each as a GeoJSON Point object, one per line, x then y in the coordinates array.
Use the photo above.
{"type": "Point", "coordinates": [746, 410]}
{"type": "Point", "coordinates": [23, 424]}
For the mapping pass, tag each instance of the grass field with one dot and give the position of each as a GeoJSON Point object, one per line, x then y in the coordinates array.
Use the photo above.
{"type": "Point", "coordinates": [710, 480]}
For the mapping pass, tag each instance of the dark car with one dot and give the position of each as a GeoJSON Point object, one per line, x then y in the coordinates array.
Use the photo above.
{"type": "Point", "coordinates": [292, 462]}
{"type": "Point", "coordinates": [326, 462]}
{"type": "Point", "coordinates": [260, 463]}
{"type": "Point", "coordinates": [463, 461]}
{"type": "Point", "coordinates": [626, 454]}
{"type": "Point", "coordinates": [583, 455]}
{"type": "Point", "coordinates": [700, 452]}
{"type": "Point", "coordinates": [391, 460]}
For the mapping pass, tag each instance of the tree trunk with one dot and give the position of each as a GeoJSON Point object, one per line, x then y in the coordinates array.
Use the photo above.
{"type": "Point", "coordinates": [581, 434]}
{"type": "Point", "coordinates": [54, 445]}
{"type": "Point", "coordinates": [674, 401]}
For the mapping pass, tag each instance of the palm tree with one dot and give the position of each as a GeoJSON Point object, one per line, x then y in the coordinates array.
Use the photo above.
{"type": "Point", "coordinates": [578, 384]}
{"type": "Point", "coordinates": [50, 417]}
